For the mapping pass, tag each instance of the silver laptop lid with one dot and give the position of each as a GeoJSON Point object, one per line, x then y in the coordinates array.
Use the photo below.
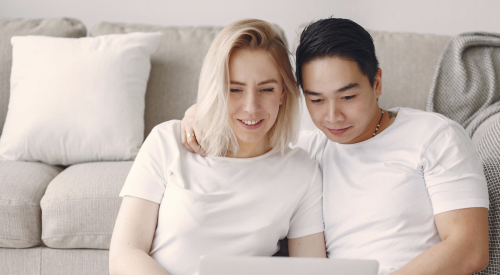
{"type": "Point", "coordinates": [237, 265]}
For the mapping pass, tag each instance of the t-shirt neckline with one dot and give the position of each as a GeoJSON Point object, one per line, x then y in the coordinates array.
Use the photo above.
{"type": "Point", "coordinates": [265, 155]}
{"type": "Point", "coordinates": [376, 137]}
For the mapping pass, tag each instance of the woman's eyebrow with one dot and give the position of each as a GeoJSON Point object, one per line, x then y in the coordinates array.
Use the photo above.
{"type": "Point", "coordinates": [260, 83]}
{"type": "Point", "coordinates": [237, 82]}
{"type": "Point", "coordinates": [268, 81]}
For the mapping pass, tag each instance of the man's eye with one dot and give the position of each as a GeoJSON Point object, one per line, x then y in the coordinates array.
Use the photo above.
{"type": "Point", "coordinates": [235, 90]}
{"type": "Point", "coordinates": [268, 90]}
{"type": "Point", "coordinates": [316, 100]}
{"type": "Point", "coordinates": [349, 97]}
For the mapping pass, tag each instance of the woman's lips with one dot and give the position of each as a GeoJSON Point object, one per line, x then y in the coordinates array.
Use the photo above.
{"type": "Point", "coordinates": [251, 127]}
{"type": "Point", "coordinates": [338, 131]}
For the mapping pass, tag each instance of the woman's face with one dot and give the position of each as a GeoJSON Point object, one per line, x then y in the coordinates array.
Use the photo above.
{"type": "Point", "coordinates": [256, 92]}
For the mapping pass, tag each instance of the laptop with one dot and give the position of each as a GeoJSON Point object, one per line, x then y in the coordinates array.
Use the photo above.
{"type": "Point", "coordinates": [237, 265]}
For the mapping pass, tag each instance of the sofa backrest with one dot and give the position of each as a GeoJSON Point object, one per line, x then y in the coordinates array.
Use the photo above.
{"type": "Point", "coordinates": [175, 67]}
{"type": "Point", "coordinates": [58, 27]}
{"type": "Point", "coordinates": [408, 62]}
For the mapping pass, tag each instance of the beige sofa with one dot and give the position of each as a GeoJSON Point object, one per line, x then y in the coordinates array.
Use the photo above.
{"type": "Point", "coordinates": [59, 220]}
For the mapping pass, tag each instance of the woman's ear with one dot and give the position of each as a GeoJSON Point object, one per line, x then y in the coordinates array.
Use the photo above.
{"type": "Point", "coordinates": [283, 94]}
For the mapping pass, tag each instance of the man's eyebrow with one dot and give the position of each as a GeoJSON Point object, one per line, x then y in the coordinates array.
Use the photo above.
{"type": "Point", "coordinates": [311, 93]}
{"type": "Point", "coordinates": [343, 89]}
{"type": "Point", "coordinates": [347, 87]}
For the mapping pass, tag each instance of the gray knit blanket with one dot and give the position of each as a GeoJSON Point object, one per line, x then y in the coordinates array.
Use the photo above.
{"type": "Point", "coordinates": [466, 86]}
{"type": "Point", "coordinates": [489, 150]}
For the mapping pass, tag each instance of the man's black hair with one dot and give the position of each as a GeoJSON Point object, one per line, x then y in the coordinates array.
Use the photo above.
{"type": "Point", "coordinates": [337, 37]}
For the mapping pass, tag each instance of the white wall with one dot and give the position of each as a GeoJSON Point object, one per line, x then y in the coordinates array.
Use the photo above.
{"type": "Point", "coordinates": [423, 16]}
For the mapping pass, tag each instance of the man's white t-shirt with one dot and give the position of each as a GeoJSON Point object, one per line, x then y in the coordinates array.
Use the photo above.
{"type": "Point", "coordinates": [223, 206]}
{"type": "Point", "coordinates": [380, 195]}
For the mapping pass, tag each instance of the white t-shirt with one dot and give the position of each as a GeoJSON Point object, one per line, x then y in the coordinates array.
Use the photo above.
{"type": "Point", "coordinates": [223, 206]}
{"type": "Point", "coordinates": [381, 195]}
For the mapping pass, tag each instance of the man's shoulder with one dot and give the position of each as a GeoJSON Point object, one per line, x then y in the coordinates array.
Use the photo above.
{"type": "Point", "coordinates": [423, 127]}
{"type": "Point", "coordinates": [422, 120]}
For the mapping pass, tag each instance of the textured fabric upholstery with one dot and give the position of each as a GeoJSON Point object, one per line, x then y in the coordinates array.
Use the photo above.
{"type": "Point", "coordinates": [489, 151]}
{"type": "Point", "coordinates": [81, 204]}
{"type": "Point", "coordinates": [408, 62]}
{"type": "Point", "coordinates": [22, 185]}
{"type": "Point", "coordinates": [59, 27]}
{"type": "Point", "coordinates": [20, 261]}
{"type": "Point", "coordinates": [74, 261]}
{"type": "Point", "coordinates": [175, 68]}
{"type": "Point", "coordinates": [48, 261]}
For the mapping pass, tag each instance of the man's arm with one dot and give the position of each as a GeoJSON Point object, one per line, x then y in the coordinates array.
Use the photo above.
{"type": "Point", "coordinates": [464, 248]}
{"type": "Point", "coordinates": [311, 246]}
{"type": "Point", "coordinates": [132, 238]}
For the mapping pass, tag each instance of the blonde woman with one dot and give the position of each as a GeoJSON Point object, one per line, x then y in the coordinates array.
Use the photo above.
{"type": "Point", "coordinates": [249, 192]}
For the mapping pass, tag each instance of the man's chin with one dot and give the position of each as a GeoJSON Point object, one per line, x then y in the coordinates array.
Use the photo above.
{"type": "Point", "coordinates": [343, 138]}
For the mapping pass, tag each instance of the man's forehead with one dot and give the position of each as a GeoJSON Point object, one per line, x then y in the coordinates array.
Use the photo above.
{"type": "Point", "coordinates": [331, 73]}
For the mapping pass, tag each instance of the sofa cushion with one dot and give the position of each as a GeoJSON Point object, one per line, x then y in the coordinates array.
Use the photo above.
{"type": "Point", "coordinates": [81, 204]}
{"type": "Point", "coordinates": [20, 261]}
{"type": "Point", "coordinates": [74, 261]}
{"type": "Point", "coordinates": [82, 98]}
{"type": "Point", "coordinates": [22, 185]}
{"type": "Point", "coordinates": [175, 68]}
{"type": "Point", "coordinates": [58, 27]}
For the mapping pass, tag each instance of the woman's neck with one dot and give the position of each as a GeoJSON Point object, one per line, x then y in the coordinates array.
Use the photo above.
{"type": "Point", "coordinates": [251, 150]}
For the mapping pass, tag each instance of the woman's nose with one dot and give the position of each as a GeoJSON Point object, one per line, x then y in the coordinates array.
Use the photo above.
{"type": "Point", "coordinates": [252, 103]}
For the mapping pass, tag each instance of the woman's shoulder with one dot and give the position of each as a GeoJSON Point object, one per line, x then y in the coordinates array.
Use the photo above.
{"type": "Point", "coordinates": [168, 131]}
{"type": "Point", "coordinates": [299, 157]}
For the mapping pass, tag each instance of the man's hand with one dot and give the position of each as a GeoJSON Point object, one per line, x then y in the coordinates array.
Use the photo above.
{"type": "Point", "coordinates": [190, 133]}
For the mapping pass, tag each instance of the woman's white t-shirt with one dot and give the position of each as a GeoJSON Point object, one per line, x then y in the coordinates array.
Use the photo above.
{"type": "Point", "coordinates": [381, 195]}
{"type": "Point", "coordinates": [223, 206]}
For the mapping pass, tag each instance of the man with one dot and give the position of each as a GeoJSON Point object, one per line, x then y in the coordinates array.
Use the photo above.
{"type": "Point", "coordinates": [402, 186]}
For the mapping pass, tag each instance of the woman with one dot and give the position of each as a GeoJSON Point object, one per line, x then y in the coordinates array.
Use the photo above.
{"type": "Point", "coordinates": [251, 191]}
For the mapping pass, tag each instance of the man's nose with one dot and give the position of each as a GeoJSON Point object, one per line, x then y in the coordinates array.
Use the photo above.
{"type": "Point", "coordinates": [334, 113]}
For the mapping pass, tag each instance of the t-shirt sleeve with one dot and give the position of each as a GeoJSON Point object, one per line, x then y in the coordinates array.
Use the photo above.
{"type": "Point", "coordinates": [307, 218]}
{"type": "Point", "coordinates": [453, 171]}
{"type": "Point", "coordinates": [146, 178]}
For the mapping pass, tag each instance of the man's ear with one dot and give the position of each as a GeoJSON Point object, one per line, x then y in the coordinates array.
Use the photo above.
{"type": "Point", "coordinates": [377, 83]}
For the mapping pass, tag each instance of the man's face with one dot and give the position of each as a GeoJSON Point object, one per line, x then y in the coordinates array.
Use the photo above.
{"type": "Point", "coordinates": [340, 99]}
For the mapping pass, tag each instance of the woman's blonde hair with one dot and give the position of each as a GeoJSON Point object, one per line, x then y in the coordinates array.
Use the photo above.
{"type": "Point", "coordinates": [213, 90]}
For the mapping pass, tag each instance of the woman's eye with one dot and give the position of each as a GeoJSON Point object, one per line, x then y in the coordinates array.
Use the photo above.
{"type": "Point", "coordinates": [349, 97]}
{"type": "Point", "coordinates": [268, 90]}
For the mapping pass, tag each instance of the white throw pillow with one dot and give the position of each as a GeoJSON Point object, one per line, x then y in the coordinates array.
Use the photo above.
{"type": "Point", "coordinates": [77, 100]}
